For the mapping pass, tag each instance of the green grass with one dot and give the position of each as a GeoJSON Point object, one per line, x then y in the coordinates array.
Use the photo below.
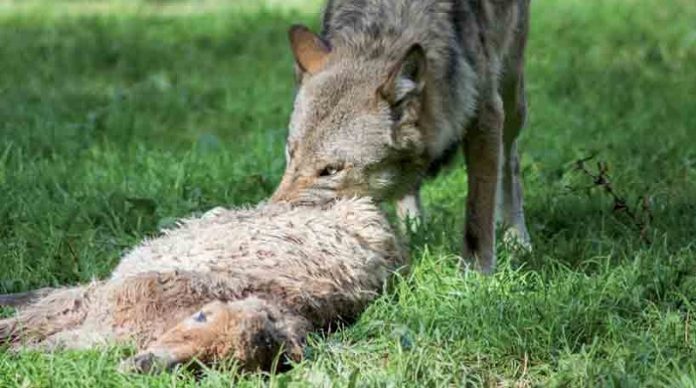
{"type": "Point", "coordinates": [117, 119]}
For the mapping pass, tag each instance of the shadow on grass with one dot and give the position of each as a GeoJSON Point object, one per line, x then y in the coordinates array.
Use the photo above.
{"type": "Point", "coordinates": [572, 230]}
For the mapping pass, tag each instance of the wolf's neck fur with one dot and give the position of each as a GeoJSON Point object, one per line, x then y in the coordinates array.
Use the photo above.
{"type": "Point", "coordinates": [380, 32]}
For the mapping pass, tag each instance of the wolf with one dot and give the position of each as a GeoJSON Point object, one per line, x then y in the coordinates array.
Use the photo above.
{"type": "Point", "coordinates": [245, 284]}
{"type": "Point", "coordinates": [391, 89]}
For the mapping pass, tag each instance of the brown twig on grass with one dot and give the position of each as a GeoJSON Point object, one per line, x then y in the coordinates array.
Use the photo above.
{"type": "Point", "coordinates": [641, 219]}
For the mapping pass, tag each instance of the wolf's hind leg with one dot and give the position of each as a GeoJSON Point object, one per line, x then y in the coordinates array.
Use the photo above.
{"type": "Point", "coordinates": [512, 202]}
{"type": "Point", "coordinates": [515, 103]}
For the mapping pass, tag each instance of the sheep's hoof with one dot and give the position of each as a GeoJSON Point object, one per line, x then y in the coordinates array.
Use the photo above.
{"type": "Point", "coordinates": [147, 363]}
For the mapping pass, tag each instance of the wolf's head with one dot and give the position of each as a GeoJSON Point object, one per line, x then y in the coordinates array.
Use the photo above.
{"type": "Point", "coordinates": [354, 130]}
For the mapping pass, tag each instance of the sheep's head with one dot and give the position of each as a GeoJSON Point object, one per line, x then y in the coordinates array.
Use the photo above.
{"type": "Point", "coordinates": [240, 330]}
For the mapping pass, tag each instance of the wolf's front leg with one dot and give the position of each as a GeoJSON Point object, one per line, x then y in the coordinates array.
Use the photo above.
{"type": "Point", "coordinates": [483, 146]}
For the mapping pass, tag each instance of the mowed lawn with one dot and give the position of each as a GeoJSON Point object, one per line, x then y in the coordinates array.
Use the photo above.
{"type": "Point", "coordinates": [117, 118]}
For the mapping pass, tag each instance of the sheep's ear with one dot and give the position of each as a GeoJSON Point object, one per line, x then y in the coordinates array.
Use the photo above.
{"type": "Point", "coordinates": [311, 52]}
{"type": "Point", "coordinates": [407, 78]}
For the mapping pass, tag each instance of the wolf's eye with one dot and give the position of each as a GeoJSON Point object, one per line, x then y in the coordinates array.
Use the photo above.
{"type": "Point", "coordinates": [330, 170]}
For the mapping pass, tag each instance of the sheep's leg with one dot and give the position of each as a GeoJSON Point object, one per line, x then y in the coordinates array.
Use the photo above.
{"type": "Point", "coordinates": [58, 310]}
{"type": "Point", "coordinates": [7, 329]}
{"type": "Point", "coordinates": [21, 299]}
{"type": "Point", "coordinates": [252, 331]}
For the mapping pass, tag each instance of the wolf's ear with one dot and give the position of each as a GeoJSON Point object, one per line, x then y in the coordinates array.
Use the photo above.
{"type": "Point", "coordinates": [407, 78]}
{"type": "Point", "coordinates": [311, 52]}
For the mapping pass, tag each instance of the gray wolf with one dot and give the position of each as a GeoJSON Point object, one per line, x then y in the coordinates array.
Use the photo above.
{"type": "Point", "coordinates": [391, 88]}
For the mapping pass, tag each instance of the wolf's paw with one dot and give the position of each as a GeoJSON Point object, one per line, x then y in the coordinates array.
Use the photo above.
{"type": "Point", "coordinates": [482, 261]}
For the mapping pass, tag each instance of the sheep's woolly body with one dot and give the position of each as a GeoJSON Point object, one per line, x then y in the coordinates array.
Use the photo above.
{"type": "Point", "coordinates": [312, 245]}
{"type": "Point", "coordinates": [304, 267]}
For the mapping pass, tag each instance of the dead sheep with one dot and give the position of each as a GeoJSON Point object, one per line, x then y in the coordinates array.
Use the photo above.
{"type": "Point", "coordinates": [246, 284]}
